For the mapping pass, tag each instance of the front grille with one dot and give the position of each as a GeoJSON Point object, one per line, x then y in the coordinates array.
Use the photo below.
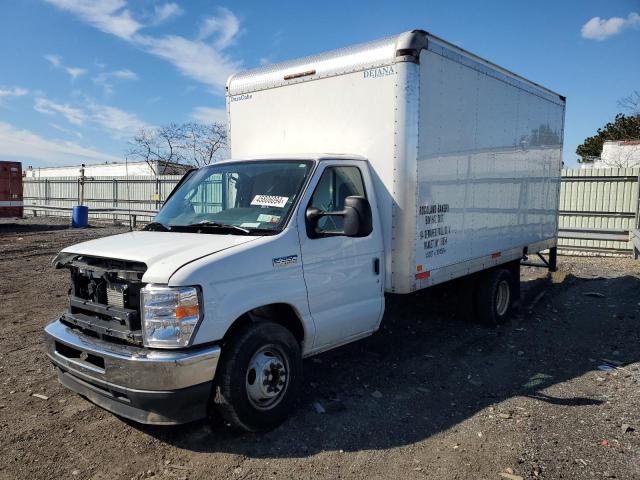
{"type": "Point", "coordinates": [105, 301]}
{"type": "Point", "coordinates": [78, 355]}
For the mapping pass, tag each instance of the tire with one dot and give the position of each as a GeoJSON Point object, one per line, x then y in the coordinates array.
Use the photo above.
{"type": "Point", "coordinates": [258, 377]}
{"type": "Point", "coordinates": [494, 296]}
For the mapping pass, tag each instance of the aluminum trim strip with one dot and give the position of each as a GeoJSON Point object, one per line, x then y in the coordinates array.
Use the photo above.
{"type": "Point", "coordinates": [343, 60]}
{"type": "Point", "coordinates": [457, 270]}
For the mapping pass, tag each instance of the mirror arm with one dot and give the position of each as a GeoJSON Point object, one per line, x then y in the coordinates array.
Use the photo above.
{"type": "Point", "coordinates": [313, 216]}
{"type": "Point", "coordinates": [340, 213]}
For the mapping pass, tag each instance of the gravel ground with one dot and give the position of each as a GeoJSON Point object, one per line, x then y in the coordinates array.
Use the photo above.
{"type": "Point", "coordinates": [555, 394]}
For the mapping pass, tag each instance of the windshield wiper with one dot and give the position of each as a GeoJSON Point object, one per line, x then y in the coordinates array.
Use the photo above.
{"type": "Point", "coordinates": [157, 227]}
{"type": "Point", "coordinates": [265, 231]}
{"type": "Point", "coordinates": [208, 224]}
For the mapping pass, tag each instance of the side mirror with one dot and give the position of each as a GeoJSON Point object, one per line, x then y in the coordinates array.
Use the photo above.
{"type": "Point", "coordinates": [357, 218]}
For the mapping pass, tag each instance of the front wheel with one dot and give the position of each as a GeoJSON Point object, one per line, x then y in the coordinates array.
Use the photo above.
{"type": "Point", "coordinates": [258, 377]}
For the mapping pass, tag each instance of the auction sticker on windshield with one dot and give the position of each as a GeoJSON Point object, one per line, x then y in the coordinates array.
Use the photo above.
{"type": "Point", "coordinates": [269, 201]}
{"type": "Point", "coordinates": [268, 218]}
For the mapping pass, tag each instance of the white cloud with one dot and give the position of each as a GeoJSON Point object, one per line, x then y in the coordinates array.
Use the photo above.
{"type": "Point", "coordinates": [188, 90]}
{"type": "Point", "coordinates": [124, 74]}
{"type": "Point", "coordinates": [110, 16]}
{"type": "Point", "coordinates": [196, 59]}
{"type": "Point", "coordinates": [18, 143]}
{"type": "Point", "coordinates": [105, 79]}
{"type": "Point", "coordinates": [118, 123]}
{"type": "Point", "coordinates": [209, 115]}
{"type": "Point", "coordinates": [56, 61]}
{"type": "Point", "coordinates": [75, 72]}
{"type": "Point", "coordinates": [72, 114]}
{"type": "Point", "coordinates": [600, 29]}
{"type": "Point", "coordinates": [12, 92]}
{"type": "Point", "coordinates": [226, 25]}
{"type": "Point", "coordinates": [68, 131]}
{"type": "Point", "coordinates": [166, 11]}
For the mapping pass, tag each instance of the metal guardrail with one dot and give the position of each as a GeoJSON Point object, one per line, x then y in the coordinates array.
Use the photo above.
{"type": "Point", "coordinates": [591, 213]}
{"type": "Point", "coordinates": [595, 234]}
{"type": "Point", "coordinates": [606, 234]}
{"type": "Point", "coordinates": [132, 214]}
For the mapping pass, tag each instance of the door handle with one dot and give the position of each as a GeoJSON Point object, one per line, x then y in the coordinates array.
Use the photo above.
{"type": "Point", "coordinates": [376, 266]}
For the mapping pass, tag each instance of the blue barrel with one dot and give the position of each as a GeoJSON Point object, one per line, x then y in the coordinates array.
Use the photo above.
{"type": "Point", "coordinates": [80, 217]}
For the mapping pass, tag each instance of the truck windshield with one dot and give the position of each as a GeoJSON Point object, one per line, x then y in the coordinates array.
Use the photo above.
{"type": "Point", "coordinates": [236, 197]}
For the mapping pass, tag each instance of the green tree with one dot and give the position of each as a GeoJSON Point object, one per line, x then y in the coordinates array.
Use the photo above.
{"type": "Point", "coordinates": [622, 128]}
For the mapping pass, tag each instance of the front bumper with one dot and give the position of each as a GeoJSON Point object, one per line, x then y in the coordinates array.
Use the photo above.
{"type": "Point", "coordinates": [147, 386]}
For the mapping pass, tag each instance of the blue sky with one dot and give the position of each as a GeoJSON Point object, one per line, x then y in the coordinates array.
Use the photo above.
{"type": "Point", "coordinates": [79, 77]}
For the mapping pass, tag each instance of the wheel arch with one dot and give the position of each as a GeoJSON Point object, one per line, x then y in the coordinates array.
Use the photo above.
{"type": "Point", "coordinates": [283, 314]}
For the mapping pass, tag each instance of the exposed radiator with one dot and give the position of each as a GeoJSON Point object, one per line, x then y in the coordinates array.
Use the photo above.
{"type": "Point", "coordinates": [115, 294]}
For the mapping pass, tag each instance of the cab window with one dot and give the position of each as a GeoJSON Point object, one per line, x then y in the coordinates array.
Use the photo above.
{"type": "Point", "coordinates": [336, 184]}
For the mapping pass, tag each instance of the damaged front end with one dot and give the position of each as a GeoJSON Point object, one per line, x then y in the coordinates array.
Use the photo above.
{"type": "Point", "coordinates": [97, 348]}
{"type": "Point", "coordinates": [104, 297]}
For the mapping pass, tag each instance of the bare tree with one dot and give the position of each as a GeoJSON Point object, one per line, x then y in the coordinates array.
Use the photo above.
{"type": "Point", "coordinates": [631, 103]}
{"type": "Point", "coordinates": [191, 143]}
{"type": "Point", "coordinates": [162, 145]}
{"type": "Point", "coordinates": [202, 144]}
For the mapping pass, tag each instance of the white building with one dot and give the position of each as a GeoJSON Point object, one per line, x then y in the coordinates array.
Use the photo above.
{"type": "Point", "coordinates": [621, 153]}
{"type": "Point", "coordinates": [114, 169]}
{"type": "Point", "coordinates": [617, 153]}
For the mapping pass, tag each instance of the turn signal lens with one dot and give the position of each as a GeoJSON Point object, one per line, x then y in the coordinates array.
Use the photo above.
{"type": "Point", "coordinates": [191, 311]}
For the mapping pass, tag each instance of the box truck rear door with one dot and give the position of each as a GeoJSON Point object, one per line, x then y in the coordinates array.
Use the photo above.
{"type": "Point", "coordinates": [342, 274]}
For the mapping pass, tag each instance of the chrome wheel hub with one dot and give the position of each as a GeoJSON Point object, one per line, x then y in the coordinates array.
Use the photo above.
{"type": "Point", "coordinates": [267, 377]}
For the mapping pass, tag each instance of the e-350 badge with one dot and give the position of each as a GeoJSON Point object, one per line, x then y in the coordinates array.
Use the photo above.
{"type": "Point", "coordinates": [284, 261]}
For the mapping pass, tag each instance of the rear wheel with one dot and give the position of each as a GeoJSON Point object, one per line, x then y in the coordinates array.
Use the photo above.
{"type": "Point", "coordinates": [258, 377]}
{"type": "Point", "coordinates": [494, 296]}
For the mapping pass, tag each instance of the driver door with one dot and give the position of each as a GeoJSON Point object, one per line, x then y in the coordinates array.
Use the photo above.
{"type": "Point", "coordinates": [343, 274]}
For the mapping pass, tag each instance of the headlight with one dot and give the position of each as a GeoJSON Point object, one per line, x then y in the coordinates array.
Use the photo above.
{"type": "Point", "coordinates": [170, 315]}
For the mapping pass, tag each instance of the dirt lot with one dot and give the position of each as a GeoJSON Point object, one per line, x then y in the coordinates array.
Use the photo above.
{"type": "Point", "coordinates": [429, 396]}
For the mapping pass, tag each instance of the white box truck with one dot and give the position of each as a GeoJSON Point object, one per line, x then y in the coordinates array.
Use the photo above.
{"type": "Point", "coordinates": [427, 164]}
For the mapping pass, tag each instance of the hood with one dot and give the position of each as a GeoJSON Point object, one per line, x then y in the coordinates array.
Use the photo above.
{"type": "Point", "coordinates": [162, 252]}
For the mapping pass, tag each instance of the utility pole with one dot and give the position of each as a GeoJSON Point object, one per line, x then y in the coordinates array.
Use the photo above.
{"type": "Point", "coordinates": [82, 180]}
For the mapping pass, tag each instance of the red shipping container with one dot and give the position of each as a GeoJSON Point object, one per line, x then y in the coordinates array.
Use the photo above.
{"type": "Point", "coordinates": [11, 189]}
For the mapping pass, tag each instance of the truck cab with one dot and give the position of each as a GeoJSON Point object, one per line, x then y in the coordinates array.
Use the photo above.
{"type": "Point", "coordinates": [250, 266]}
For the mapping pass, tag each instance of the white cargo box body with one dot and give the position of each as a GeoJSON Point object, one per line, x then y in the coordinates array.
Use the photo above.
{"type": "Point", "coordinates": [466, 155]}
